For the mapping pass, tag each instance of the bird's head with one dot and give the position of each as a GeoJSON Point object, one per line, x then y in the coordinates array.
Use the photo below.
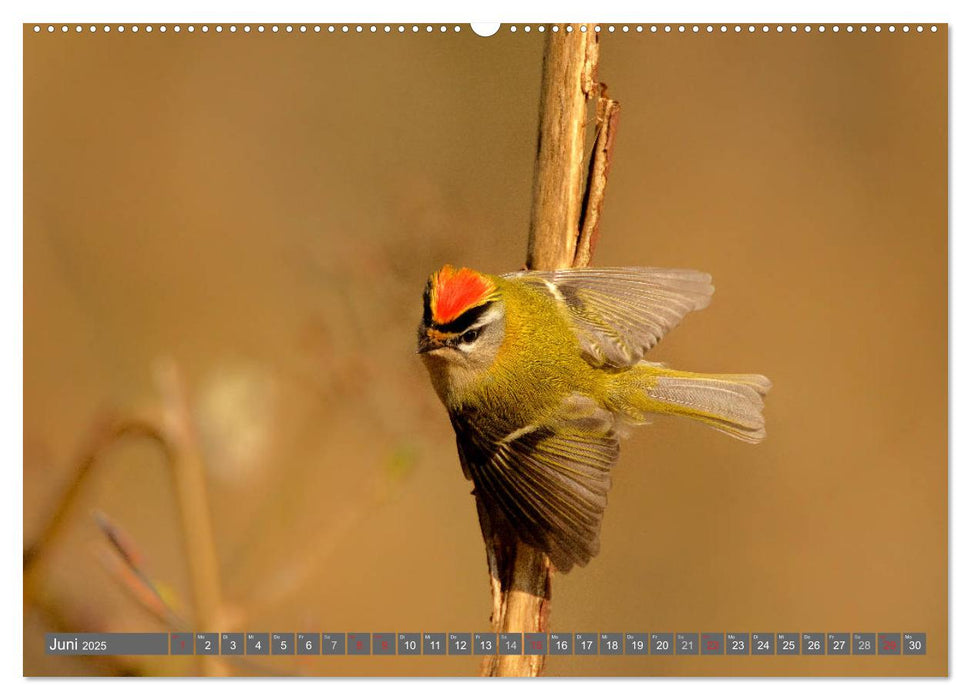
{"type": "Point", "coordinates": [462, 325]}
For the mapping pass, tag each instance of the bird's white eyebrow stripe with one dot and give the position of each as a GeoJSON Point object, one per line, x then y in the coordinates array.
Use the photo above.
{"type": "Point", "coordinates": [486, 318]}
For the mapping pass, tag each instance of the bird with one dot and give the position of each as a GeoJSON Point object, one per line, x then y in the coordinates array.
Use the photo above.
{"type": "Point", "coordinates": [543, 372]}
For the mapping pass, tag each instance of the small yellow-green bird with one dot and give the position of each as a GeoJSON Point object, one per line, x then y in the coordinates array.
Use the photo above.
{"type": "Point", "coordinates": [543, 372]}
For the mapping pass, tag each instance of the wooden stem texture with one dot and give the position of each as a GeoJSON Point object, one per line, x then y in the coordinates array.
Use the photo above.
{"type": "Point", "coordinates": [569, 67]}
{"type": "Point", "coordinates": [568, 191]}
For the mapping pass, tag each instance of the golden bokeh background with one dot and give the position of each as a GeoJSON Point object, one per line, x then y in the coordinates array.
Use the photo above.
{"type": "Point", "coordinates": [259, 212]}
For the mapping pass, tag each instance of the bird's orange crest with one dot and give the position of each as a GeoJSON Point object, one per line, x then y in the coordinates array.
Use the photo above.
{"type": "Point", "coordinates": [453, 292]}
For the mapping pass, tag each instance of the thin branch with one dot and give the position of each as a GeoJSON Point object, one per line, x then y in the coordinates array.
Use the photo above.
{"type": "Point", "coordinates": [107, 430]}
{"type": "Point", "coordinates": [125, 563]}
{"type": "Point", "coordinates": [608, 114]}
{"type": "Point", "coordinates": [563, 232]}
{"type": "Point", "coordinates": [174, 431]}
{"type": "Point", "coordinates": [188, 470]}
{"type": "Point", "coordinates": [569, 70]}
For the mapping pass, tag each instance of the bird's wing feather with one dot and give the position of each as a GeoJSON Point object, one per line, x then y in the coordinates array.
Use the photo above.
{"type": "Point", "coordinates": [549, 480]}
{"type": "Point", "coordinates": [619, 313]}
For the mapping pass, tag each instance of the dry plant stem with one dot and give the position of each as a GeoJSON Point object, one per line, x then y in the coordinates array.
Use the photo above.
{"type": "Point", "coordinates": [123, 560]}
{"type": "Point", "coordinates": [569, 70]}
{"type": "Point", "coordinates": [563, 231]}
{"type": "Point", "coordinates": [608, 113]}
{"type": "Point", "coordinates": [174, 432]}
{"type": "Point", "coordinates": [107, 430]}
{"type": "Point", "coordinates": [521, 582]}
{"type": "Point", "coordinates": [190, 482]}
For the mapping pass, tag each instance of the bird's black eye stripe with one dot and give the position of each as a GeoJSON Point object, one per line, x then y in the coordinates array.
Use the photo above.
{"type": "Point", "coordinates": [463, 321]}
{"type": "Point", "coordinates": [427, 305]}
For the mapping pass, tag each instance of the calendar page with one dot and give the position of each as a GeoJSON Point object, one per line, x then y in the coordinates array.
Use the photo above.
{"type": "Point", "coordinates": [548, 349]}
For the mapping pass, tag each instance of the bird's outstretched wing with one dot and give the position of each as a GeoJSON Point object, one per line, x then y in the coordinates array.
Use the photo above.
{"type": "Point", "coordinates": [548, 480]}
{"type": "Point", "coordinates": [619, 313]}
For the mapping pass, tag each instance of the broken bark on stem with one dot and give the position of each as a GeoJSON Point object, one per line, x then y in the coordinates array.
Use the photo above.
{"type": "Point", "coordinates": [567, 202]}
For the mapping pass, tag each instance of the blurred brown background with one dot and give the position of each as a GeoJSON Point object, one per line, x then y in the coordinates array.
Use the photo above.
{"type": "Point", "coordinates": [262, 211]}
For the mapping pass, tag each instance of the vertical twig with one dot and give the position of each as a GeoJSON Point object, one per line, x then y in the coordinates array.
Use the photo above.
{"type": "Point", "coordinates": [175, 433]}
{"type": "Point", "coordinates": [569, 67]}
{"type": "Point", "coordinates": [608, 113]}
{"type": "Point", "coordinates": [564, 227]}
{"type": "Point", "coordinates": [188, 470]}
{"type": "Point", "coordinates": [107, 430]}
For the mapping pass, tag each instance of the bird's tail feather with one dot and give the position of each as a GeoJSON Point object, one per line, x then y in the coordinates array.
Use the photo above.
{"type": "Point", "coordinates": [731, 403]}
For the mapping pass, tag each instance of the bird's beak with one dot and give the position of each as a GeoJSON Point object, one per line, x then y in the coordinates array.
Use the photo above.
{"type": "Point", "coordinates": [430, 340]}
